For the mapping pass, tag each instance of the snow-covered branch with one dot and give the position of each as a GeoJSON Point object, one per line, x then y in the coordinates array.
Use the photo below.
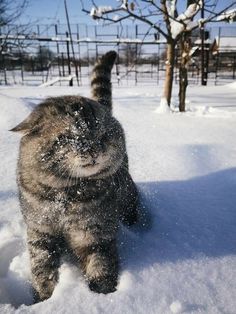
{"type": "Point", "coordinates": [147, 11]}
{"type": "Point", "coordinates": [122, 12]}
{"type": "Point", "coordinates": [184, 21]}
{"type": "Point", "coordinates": [214, 16]}
{"type": "Point", "coordinates": [171, 7]}
{"type": "Point", "coordinates": [228, 16]}
{"type": "Point", "coordinates": [97, 12]}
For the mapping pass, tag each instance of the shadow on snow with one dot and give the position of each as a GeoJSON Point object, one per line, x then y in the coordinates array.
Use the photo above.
{"type": "Point", "coordinates": [190, 219]}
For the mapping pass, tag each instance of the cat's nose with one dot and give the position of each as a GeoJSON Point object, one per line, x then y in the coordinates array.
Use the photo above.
{"type": "Point", "coordinates": [94, 155]}
{"type": "Point", "coordinates": [93, 162]}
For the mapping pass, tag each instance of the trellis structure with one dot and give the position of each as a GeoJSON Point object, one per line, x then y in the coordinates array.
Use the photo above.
{"type": "Point", "coordinates": [44, 55]}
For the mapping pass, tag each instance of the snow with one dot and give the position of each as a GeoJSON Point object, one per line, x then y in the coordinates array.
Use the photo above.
{"type": "Point", "coordinates": [229, 16]}
{"type": "Point", "coordinates": [163, 107]}
{"type": "Point", "coordinates": [97, 13]}
{"type": "Point", "coordinates": [171, 7]}
{"type": "Point", "coordinates": [176, 307]}
{"type": "Point", "coordinates": [184, 20]}
{"type": "Point", "coordinates": [58, 79]}
{"type": "Point", "coordinates": [185, 167]}
{"type": "Point", "coordinates": [226, 44]}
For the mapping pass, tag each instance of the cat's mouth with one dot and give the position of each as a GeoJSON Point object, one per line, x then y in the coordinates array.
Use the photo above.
{"type": "Point", "coordinates": [102, 165]}
{"type": "Point", "coordinates": [90, 164]}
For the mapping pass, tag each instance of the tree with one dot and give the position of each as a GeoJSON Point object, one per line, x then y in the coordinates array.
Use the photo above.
{"type": "Point", "coordinates": [129, 53]}
{"type": "Point", "coordinates": [163, 17]}
{"type": "Point", "coordinates": [44, 57]}
{"type": "Point", "coordinates": [185, 48]}
{"type": "Point", "coordinates": [10, 11]}
{"type": "Point", "coordinates": [185, 43]}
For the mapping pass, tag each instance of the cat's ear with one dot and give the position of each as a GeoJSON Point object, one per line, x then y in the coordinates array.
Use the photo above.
{"type": "Point", "coordinates": [31, 124]}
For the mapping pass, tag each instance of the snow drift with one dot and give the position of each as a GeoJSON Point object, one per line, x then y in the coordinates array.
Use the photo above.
{"type": "Point", "coordinates": [185, 168]}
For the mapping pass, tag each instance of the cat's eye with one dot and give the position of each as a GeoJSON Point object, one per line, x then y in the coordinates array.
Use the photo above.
{"type": "Point", "coordinates": [105, 137]}
{"type": "Point", "coordinates": [74, 107]}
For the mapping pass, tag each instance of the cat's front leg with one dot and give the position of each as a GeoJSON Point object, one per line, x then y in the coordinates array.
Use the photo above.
{"type": "Point", "coordinates": [44, 258]}
{"type": "Point", "coordinates": [101, 267]}
{"type": "Point", "coordinates": [99, 262]}
{"type": "Point", "coordinates": [129, 200]}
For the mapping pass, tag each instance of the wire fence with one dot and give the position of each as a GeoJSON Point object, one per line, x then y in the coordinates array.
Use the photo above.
{"type": "Point", "coordinates": [49, 54]}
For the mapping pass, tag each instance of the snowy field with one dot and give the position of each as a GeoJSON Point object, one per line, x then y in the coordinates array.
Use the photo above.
{"type": "Point", "coordinates": [185, 168]}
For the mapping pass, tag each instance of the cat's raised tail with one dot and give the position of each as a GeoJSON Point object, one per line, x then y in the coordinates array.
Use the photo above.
{"type": "Point", "coordinates": [101, 79]}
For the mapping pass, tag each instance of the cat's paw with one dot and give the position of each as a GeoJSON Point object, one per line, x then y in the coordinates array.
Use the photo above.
{"type": "Point", "coordinates": [44, 289]}
{"type": "Point", "coordinates": [103, 284]}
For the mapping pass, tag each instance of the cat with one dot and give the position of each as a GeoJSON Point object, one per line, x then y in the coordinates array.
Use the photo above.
{"type": "Point", "coordinates": [74, 184]}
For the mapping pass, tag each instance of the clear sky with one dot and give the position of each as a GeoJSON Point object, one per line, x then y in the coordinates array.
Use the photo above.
{"type": "Point", "coordinates": [52, 11]}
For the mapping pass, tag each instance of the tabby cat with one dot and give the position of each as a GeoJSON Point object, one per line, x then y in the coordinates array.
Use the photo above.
{"type": "Point", "coordinates": [74, 184]}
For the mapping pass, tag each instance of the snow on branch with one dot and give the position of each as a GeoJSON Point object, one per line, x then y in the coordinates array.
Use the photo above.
{"type": "Point", "coordinates": [125, 10]}
{"type": "Point", "coordinates": [190, 12]}
{"type": "Point", "coordinates": [97, 13]}
{"type": "Point", "coordinates": [176, 23]}
{"type": "Point", "coordinates": [171, 7]}
{"type": "Point", "coordinates": [184, 21]}
{"type": "Point", "coordinates": [228, 16]}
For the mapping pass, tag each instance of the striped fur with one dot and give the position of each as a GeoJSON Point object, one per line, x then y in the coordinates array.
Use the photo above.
{"type": "Point", "coordinates": [74, 187]}
{"type": "Point", "coordinates": [101, 79]}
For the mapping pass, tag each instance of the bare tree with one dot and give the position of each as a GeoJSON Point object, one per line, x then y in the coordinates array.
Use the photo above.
{"type": "Point", "coordinates": [185, 44]}
{"type": "Point", "coordinates": [10, 12]}
{"type": "Point", "coordinates": [163, 17]}
{"type": "Point", "coordinates": [185, 48]}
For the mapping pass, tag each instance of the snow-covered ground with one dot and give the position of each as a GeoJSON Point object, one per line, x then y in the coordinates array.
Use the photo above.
{"type": "Point", "coordinates": [185, 168]}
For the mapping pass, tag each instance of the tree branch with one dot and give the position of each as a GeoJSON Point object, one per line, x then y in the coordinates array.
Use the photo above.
{"type": "Point", "coordinates": [129, 14]}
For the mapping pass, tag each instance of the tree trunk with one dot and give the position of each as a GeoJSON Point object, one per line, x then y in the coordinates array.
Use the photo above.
{"type": "Point", "coordinates": [185, 47]}
{"type": "Point", "coordinates": [183, 83]}
{"type": "Point", "coordinates": [170, 59]}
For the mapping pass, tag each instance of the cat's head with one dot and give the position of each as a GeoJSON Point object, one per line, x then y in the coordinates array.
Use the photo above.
{"type": "Point", "coordinates": [73, 137]}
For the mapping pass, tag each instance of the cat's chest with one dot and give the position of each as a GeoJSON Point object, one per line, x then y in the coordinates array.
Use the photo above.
{"type": "Point", "coordinates": [84, 211]}
{"type": "Point", "coordinates": [85, 204]}
{"type": "Point", "coordinates": [84, 192]}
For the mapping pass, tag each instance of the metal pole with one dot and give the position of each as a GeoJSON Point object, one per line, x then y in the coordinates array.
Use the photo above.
{"type": "Point", "coordinates": [234, 67]}
{"type": "Point", "coordinates": [63, 64]}
{"type": "Point", "coordinates": [68, 59]}
{"type": "Point", "coordinates": [78, 36]}
{"type": "Point", "coordinates": [96, 36]}
{"type": "Point", "coordinates": [136, 55]}
{"type": "Point", "coordinates": [58, 51]}
{"type": "Point", "coordinates": [41, 62]}
{"type": "Point", "coordinates": [22, 67]}
{"type": "Point", "coordinates": [4, 69]}
{"type": "Point", "coordinates": [202, 33]}
{"type": "Point", "coordinates": [72, 46]}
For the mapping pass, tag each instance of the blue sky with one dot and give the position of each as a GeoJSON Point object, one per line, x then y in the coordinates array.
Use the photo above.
{"type": "Point", "coordinates": [52, 11]}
